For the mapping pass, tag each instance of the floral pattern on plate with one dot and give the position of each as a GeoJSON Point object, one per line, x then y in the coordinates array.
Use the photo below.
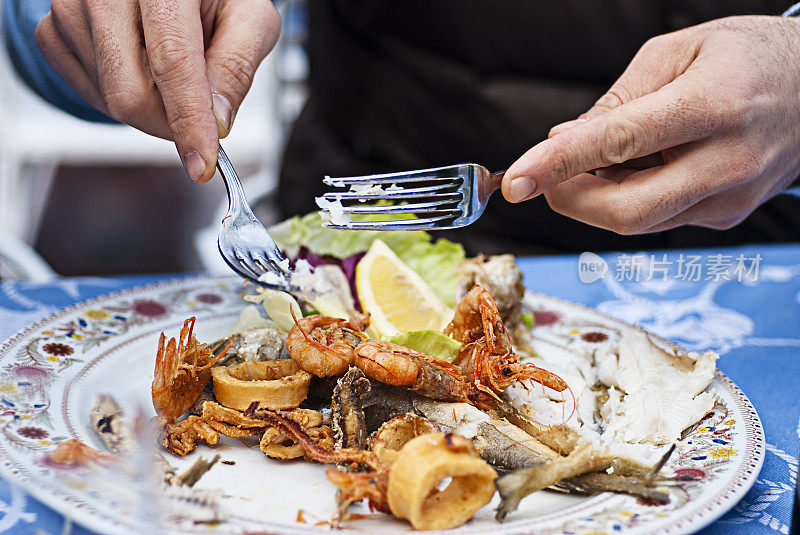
{"type": "Point", "coordinates": [43, 367]}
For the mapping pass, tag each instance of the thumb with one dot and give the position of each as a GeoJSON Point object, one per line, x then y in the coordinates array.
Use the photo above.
{"type": "Point", "coordinates": [245, 31]}
{"type": "Point", "coordinates": [658, 62]}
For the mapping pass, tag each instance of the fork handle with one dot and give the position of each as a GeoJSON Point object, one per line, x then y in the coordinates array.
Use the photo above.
{"type": "Point", "coordinates": [497, 179]}
{"type": "Point", "coordinates": [237, 201]}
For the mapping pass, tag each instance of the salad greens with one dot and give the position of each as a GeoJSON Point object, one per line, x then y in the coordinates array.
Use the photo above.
{"type": "Point", "coordinates": [435, 261]}
{"type": "Point", "coordinates": [528, 319]}
{"type": "Point", "coordinates": [278, 305]}
{"type": "Point", "coordinates": [431, 343]}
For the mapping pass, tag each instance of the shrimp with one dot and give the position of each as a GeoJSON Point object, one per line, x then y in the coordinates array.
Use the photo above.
{"type": "Point", "coordinates": [487, 357]}
{"type": "Point", "coordinates": [322, 345]}
{"type": "Point", "coordinates": [398, 365]}
{"type": "Point", "coordinates": [183, 368]}
{"type": "Point", "coordinates": [476, 317]}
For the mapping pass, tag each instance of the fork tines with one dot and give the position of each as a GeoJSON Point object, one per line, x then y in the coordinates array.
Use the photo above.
{"type": "Point", "coordinates": [432, 195]}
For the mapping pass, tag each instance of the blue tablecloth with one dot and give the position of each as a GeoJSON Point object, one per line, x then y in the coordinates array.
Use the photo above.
{"type": "Point", "coordinates": [742, 302]}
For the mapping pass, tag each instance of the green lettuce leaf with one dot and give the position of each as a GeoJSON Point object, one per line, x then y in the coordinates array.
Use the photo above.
{"type": "Point", "coordinates": [431, 343]}
{"type": "Point", "coordinates": [435, 261]}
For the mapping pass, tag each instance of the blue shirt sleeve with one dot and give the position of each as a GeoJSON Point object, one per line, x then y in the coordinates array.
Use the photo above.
{"type": "Point", "coordinates": [19, 20]}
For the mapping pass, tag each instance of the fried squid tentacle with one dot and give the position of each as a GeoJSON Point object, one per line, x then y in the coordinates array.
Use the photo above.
{"type": "Point", "coordinates": [313, 450]}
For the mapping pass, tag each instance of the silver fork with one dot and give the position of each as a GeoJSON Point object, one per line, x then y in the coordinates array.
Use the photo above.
{"type": "Point", "coordinates": [440, 197]}
{"type": "Point", "coordinates": [244, 243]}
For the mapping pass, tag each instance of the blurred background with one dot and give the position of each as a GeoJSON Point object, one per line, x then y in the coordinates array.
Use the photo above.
{"type": "Point", "coordinates": [124, 197]}
{"type": "Point", "coordinates": [389, 90]}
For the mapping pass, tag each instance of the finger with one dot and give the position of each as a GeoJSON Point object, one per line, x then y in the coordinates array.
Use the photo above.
{"type": "Point", "coordinates": [174, 38]}
{"type": "Point", "coordinates": [641, 201]}
{"type": "Point", "coordinates": [720, 211]}
{"type": "Point", "coordinates": [63, 59]}
{"type": "Point", "coordinates": [123, 77]}
{"type": "Point", "coordinates": [675, 114]}
{"type": "Point", "coordinates": [70, 21]}
{"type": "Point", "coordinates": [658, 62]}
{"type": "Point", "coordinates": [245, 32]}
{"type": "Point", "coordinates": [708, 213]}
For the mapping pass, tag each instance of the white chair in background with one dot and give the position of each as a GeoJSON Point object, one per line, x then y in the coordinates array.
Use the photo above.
{"type": "Point", "coordinates": [36, 138]}
{"type": "Point", "coordinates": [19, 261]}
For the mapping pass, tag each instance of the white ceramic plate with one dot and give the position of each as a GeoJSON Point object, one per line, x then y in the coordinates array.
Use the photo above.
{"type": "Point", "coordinates": [51, 372]}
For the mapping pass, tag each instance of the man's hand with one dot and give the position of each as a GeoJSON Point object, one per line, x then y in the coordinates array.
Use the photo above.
{"type": "Point", "coordinates": [720, 102]}
{"type": "Point", "coordinates": [176, 69]}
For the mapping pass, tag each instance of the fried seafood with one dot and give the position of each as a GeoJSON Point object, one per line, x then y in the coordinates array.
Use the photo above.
{"type": "Point", "coordinates": [501, 276]}
{"type": "Point", "coordinates": [487, 356]}
{"type": "Point", "coordinates": [181, 437]}
{"type": "Point", "coordinates": [597, 482]}
{"type": "Point", "coordinates": [275, 442]}
{"type": "Point", "coordinates": [183, 368]}
{"type": "Point", "coordinates": [560, 438]}
{"type": "Point", "coordinates": [422, 464]}
{"type": "Point", "coordinates": [347, 414]}
{"type": "Point", "coordinates": [498, 441]}
{"type": "Point", "coordinates": [387, 441]}
{"type": "Point", "coordinates": [356, 486]}
{"type": "Point", "coordinates": [353, 486]}
{"type": "Point", "coordinates": [398, 365]}
{"type": "Point", "coordinates": [278, 444]}
{"type": "Point", "coordinates": [73, 452]}
{"type": "Point", "coordinates": [257, 344]}
{"type": "Point", "coordinates": [195, 472]}
{"type": "Point", "coordinates": [275, 384]}
{"type": "Point", "coordinates": [312, 449]}
{"type": "Point", "coordinates": [436, 421]}
{"type": "Point", "coordinates": [487, 364]}
{"type": "Point", "coordinates": [109, 423]}
{"type": "Point", "coordinates": [181, 373]}
{"type": "Point", "coordinates": [322, 345]}
{"type": "Point", "coordinates": [230, 422]}
{"type": "Point", "coordinates": [584, 468]}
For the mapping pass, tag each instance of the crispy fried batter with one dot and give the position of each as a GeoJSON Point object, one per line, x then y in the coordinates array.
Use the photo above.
{"type": "Point", "coordinates": [277, 384]}
{"type": "Point", "coordinates": [422, 463]}
{"type": "Point", "coordinates": [312, 449]}
{"type": "Point", "coordinates": [278, 444]}
{"type": "Point", "coordinates": [387, 441]}
{"type": "Point", "coordinates": [356, 486]}
{"type": "Point", "coordinates": [181, 437]}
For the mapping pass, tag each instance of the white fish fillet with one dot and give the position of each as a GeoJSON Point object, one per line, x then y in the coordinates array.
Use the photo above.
{"type": "Point", "coordinates": [653, 415]}
{"type": "Point", "coordinates": [640, 362]}
{"type": "Point", "coordinates": [653, 396]}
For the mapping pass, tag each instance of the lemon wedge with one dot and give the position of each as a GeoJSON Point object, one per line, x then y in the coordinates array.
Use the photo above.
{"type": "Point", "coordinates": [396, 297]}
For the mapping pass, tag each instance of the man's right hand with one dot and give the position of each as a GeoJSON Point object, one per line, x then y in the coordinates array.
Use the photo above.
{"type": "Point", "coordinates": [174, 69]}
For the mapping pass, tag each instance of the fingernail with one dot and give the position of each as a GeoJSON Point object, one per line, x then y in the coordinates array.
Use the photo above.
{"type": "Point", "coordinates": [223, 111]}
{"type": "Point", "coordinates": [521, 188]}
{"type": "Point", "coordinates": [557, 129]}
{"type": "Point", "coordinates": [194, 164]}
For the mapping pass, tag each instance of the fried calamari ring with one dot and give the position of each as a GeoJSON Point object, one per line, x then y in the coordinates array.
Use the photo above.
{"type": "Point", "coordinates": [275, 384]}
{"type": "Point", "coordinates": [390, 437]}
{"type": "Point", "coordinates": [425, 461]}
